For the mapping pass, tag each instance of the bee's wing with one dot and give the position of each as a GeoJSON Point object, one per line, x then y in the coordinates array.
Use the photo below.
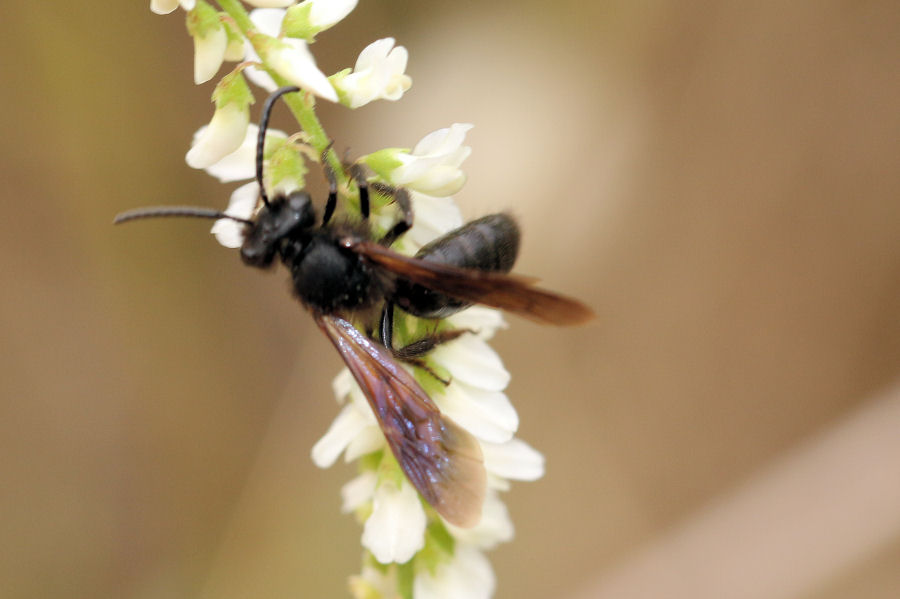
{"type": "Point", "coordinates": [440, 459]}
{"type": "Point", "coordinates": [514, 293]}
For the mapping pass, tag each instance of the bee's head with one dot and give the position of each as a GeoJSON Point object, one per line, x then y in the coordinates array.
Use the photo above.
{"type": "Point", "coordinates": [278, 220]}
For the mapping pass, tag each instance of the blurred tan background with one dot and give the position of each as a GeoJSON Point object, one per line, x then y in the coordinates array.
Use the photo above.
{"type": "Point", "coordinates": [719, 181]}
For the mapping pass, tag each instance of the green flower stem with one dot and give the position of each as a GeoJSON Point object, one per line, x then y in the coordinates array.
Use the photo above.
{"type": "Point", "coordinates": [302, 105]}
{"type": "Point", "coordinates": [237, 12]}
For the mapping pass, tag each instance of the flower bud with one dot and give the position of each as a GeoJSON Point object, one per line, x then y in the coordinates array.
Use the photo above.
{"type": "Point", "coordinates": [210, 41]}
{"type": "Point", "coordinates": [307, 19]}
{"type": "Point", "coordinates": [292, 60]}
{"type": "Point", "coordinates": [228, 127]}
{"type": "Point", "coordinates": [164, 7]}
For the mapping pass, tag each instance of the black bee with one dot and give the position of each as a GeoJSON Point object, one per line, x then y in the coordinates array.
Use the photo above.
{"type": "Point", "coordinates": [340, 272]}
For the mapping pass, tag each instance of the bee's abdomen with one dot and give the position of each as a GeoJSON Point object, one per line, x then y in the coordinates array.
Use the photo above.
{"type": "Point", "coordinates": [490, 243]}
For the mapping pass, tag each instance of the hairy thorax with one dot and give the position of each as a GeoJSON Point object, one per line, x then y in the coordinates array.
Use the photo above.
{"type": "Point", "coordinates": [329, 277]}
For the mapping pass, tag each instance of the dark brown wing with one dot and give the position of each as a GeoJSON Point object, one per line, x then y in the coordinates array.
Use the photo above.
{"type": "Point", "coordinates": [508, 292]}
{"type": "Point", "coordinates": [440, 459]}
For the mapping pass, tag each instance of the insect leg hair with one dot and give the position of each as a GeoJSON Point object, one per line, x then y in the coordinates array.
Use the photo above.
{"type": "Point", "coordinates": [359, 175]}
{"type": "Point", "coordinates": [402, 199]}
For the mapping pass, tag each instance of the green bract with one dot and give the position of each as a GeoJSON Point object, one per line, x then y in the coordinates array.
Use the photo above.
{"type": "Point", "coordinates": [233, 89]}
{"type": "Point", "coordinates": [286, 169]}
{"type": "Point", "coordinates": [202, 20]}
{"type": "Point", "coordinates": [297, 22]}
{"type": "Point", "coordinates": [385, 161]}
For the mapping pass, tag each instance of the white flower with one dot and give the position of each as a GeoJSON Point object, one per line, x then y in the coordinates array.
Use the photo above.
{"type": "Point", "coordinates": [515, 460]}
{"type": "Point", "coordinates": [432, 167]}
{"type": "Point", "coordinates": [243, 201]}
{"type": "Point", "coordinates": [483, 321]}
{"type": "Point", "coordinates": [395, 526]}
{"type": "Point", "coordinates": [378, 74]}
{"type": "Point", "coordinates": [488, 415]}
{"type": "Point", "coordinates": [469, 359]}
{"type": "Point", "coordinates": [359, 491]}
{"type": "Point", "coordinates": [237, 166]}
{"type": "Point", "coordinates": [164, 7]}
{"type": "Point", "coordinates": [267, 21]}
{"type": "Point", "coordinates": [354, 432]}
{"type": "Point", "coordinates": [289, 57]}
{"type": "Point", "coordinates": [396, 529]}
{"type": "Point", "coordinates": [209, 53]}
{"type": "Point", "coordinates": [292, 60]}
{"type": "Point", "coordinates": [270, 3]}
{"type": "Point", "coordinates": [467, 576]}
{"type": "Point", "coordinates": [235, 49]}
{"type": "Point", "coordinates": [224, 134]}
{"type": "Point", "coordinates": [352, 423]}
{"type": "Point", "coordinates": [433, 217]}
{"type": "Point", "coordinates": [327, 13]}
{"type": "Point", "coordinates": [241, 163]}
{"type": "Point", "coordinates": [394, 522]}
{"type": "Point", "coordinates": [495, 526]}
{"type": "Point", "coordinates": [307, 19]}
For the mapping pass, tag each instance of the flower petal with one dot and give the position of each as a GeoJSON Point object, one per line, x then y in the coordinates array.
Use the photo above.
{"type": "Point", "coordinates": [209, 53]}
{"type": "Point", "coordinates": [484, 321]}
{"type": "Point", "coordinates": [343, 384]}
{"type": "Point", "coordinates": [434, 217]}
{"type": "Point", "coordinates": [514, 459]}
{"type": "Point", "coordinates": [467, 576]}
{"type": "Point", "coordinates": [242, 204]}
{"type": "Point", "coordinates": [471, 360]}
{"type": "Point", "coordinates": [443, 141]}
{"type": "Point", "coordinates": [241, 164]}
{"type": "Point", "coordinates": [224, 134]}
{"type": "Point", "coordinates": [433, 166]}
{"type": "Point", "coordinates": [368, 440]}
{"type": "Point", "coordinates": [441, 180]}
{"type": "Point", "coordinates": [268, 20]}
{"type": "Point", "coordinates": [164, 7]}
{"type": "Point", "coordinates": [292, 60]}
{"type": "Point", "coordinates": [326, 13]}
{"type": "Point", "coordinates": [488, 415]}
{"type": "Point", "coordinates": [373, 54]}
{"type": "Point", "coordinates": [396, 529]}
{"type": "Point", "coordinates": [495, 525]}
{"type": "Point", "coordinates": [341, 433]}
{"type": "Point", "coordinates": [270, 3]}
{"type": "Point", "coordinates": [378, 74]}
{"type": "Point", "coordinates": [358, 491]}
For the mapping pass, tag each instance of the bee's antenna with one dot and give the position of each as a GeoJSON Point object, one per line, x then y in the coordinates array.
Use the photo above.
{"type": "Point", "coordinates": [175, 211]}
{"type": "Point", "coordinates": [261, 140]}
